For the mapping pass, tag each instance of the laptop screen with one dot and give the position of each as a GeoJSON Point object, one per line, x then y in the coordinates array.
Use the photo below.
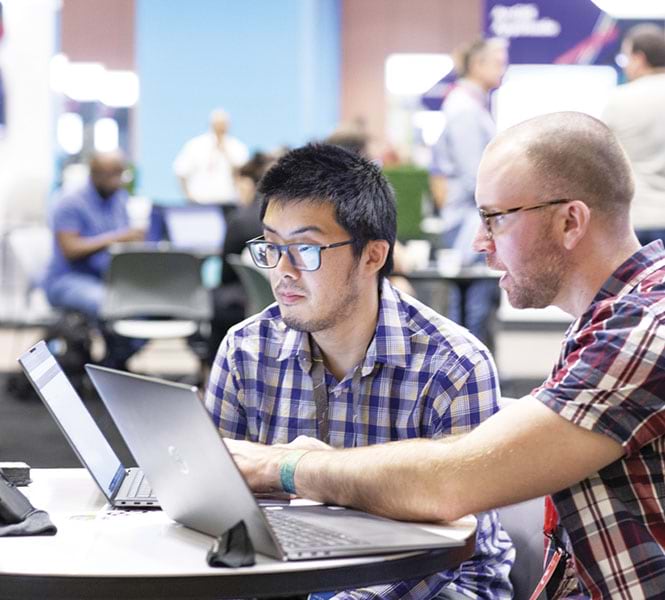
{"type": "Point", "coordinates": [195, 227]}
{"type": "Point", "coordinates": [73, 418]}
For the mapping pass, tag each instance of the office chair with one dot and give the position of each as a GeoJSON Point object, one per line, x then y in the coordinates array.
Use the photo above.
{"type": "Point", "coordinates": [256, 285]}
{"type": "Point", "coordinates": [29, 252]}
{"type": "Point", "coordinates": [524, 523]}
{"type": "Point", "coordinates": [155, 294]}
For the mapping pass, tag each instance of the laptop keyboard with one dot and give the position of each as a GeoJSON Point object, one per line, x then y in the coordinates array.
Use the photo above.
{"type": "Point", "coordinates": [294, 533]}
{"type": "Point", "coordinates": [140, 488]}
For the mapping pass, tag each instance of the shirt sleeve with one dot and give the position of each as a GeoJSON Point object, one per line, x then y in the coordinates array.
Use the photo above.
{"type": "Point", "coordinates": [224, 394]}
{"type": "Point", "coordinates": [611, 376]}
{"type": "Point", "coordinates": [66, 217]}
{"type": "Point", "coordinates": [465, 392]}
{"type": "Point", "coordinates": [183, 165]}
{"type": "Point", "coordinates": [466, 143]}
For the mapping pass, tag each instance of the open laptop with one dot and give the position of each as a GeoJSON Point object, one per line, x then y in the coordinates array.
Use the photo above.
{"type": "Point", "coordinates": [199, 227]}
{"type": "Point", "coordinates": [172, 436]}
{"type": "Point", "coordinates": [123, 487]}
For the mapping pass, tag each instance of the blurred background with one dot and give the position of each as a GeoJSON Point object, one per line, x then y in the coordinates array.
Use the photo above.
{"type": "Point", "coordinates": [142, 76]}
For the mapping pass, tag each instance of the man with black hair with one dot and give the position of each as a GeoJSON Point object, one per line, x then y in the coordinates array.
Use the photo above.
{"type": "Point", "coordinates": [635, 114]}
{"type": "Point", "coordinates": [343, 356]}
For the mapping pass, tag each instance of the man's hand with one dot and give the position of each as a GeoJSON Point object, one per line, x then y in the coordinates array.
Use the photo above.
{"type": "Point", "coordinates": [258, 463]}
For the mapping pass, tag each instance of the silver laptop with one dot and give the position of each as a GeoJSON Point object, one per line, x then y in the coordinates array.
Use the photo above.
{"type": "Point", "coordinates": [195, 227]}
{"type": "Point", "coordinates": [173, 438]}
{"type": "Point", "coordinates": [127, 488]}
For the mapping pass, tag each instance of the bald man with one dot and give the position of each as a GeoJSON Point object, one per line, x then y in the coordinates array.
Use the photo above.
{"type": "Point", "coordinates": [86, 222]}
{"type": "Point", "coordinates": [208, 164]}
{"type": "Point", "coordinates": [554, 198]}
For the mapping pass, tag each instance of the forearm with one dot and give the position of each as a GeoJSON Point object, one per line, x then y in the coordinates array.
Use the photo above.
{"type": "Point", "coordinates": [522, 452]}
{"type": "Point", "coordinates": [78, 247]}
{"type": "Point", "coordinates": [391, 480]}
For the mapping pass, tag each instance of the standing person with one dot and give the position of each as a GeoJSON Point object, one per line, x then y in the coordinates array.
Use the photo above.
{"type": "Point", "coordinates": [455, 159]}
{"type": "Point", "coordinates": [635, 114]}
{"type": "Point", "coordinates": [86, 221]}
{"type": "Point", "coordinates": [208, 164]}
{"type": "Point", "coordinates": [343, 355]}
{"type": "Point", "coordinates": [554, 195]}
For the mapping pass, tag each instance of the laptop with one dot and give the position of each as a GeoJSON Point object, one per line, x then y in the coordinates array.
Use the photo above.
{"type": "Point", "coordinates": [123, 487]}
{"type": "Point", "coordinates": [199, 227]}
{"type": "Point", "coordinates": [172, 436]}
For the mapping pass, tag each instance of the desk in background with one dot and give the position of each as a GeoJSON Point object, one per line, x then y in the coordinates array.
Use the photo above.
{"type": "Point", "coordinates": [144, 555]}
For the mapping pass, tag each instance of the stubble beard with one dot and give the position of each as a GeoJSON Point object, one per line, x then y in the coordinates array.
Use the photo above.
{"type": "Point", "coordinates": [341, 310]}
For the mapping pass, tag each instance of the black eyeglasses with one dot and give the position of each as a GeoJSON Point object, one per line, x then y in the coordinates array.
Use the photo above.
{"type": "Point", "coordinates": [487, 216]}
{"type": "Point", "coordinates": [304, 257]}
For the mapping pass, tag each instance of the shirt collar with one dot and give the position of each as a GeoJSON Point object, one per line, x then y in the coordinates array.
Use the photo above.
{"type": "Point", "coordinates": [639, 266]}
{"type": "Point", "coordinates": [389, 344]}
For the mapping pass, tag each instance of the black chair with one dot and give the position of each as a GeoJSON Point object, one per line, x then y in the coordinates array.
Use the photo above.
{"type": "Point", "coordinates": [256, 284]}
{"type": "Point", "coordinates": [156, 294]}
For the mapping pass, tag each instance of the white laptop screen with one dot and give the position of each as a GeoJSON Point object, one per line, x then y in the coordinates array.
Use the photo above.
{"type": "Point", "coordinates": [194, 227]}
{"type": "Point", "coordinates": [73, 418]}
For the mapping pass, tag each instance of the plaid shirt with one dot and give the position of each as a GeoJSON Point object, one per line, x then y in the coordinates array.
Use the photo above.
{"type": "Point", "coordinates": [422, 376]}
{"type": "Point", "coordinates": [611, 379]}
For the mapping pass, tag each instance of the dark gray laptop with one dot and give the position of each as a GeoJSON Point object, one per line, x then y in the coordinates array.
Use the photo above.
{"type": "Point", "coordinates": [173, 438]}
{"type": "Point", "coordinates": [127, 488]}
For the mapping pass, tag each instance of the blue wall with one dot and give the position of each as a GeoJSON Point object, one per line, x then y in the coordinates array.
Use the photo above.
{"type": "Point", "coordinates": [273, 65]}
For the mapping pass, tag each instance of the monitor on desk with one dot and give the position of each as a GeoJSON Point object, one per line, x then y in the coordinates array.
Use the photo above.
{"type": "Point", "coordinates": [194, 226]}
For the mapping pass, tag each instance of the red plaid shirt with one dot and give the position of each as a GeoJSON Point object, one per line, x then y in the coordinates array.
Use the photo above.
{"type": "Point", "coordinates": [610, 378]}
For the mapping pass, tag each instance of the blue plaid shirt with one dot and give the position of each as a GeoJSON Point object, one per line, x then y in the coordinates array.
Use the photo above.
{"type": "Point", "coordinates": [422, 376]}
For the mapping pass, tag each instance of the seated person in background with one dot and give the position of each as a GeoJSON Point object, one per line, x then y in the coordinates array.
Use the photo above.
{"type": "Point", "coordinates": [86, 221]}
{"type": "Point", "coordinates": [229, 298]}
{"type": "Point", "coordinates": [344, 356]}
{"type": "Point", "coordinates": [554, 195]}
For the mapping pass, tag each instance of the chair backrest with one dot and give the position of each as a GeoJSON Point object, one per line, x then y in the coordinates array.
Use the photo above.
{"type": "Point", "coordinates": [31, 247]}
{"type": "Point", "coordinates": [524, 523]}
{"type": "Point", "coordinates": [257, 287]}
{"type": "Point", "coordinates": [162, 284]}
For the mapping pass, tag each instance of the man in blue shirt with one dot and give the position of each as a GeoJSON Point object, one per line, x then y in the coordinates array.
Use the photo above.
{"type": "Point", "coordinates": [346, 357]}
{"type": "Point", "coordinates": [86, 222]}
{"type": "Point", "coordinates": [455, 159]}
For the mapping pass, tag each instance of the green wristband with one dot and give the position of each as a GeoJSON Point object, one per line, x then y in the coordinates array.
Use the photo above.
{"type": "Point", "coordinates": [287, 470]}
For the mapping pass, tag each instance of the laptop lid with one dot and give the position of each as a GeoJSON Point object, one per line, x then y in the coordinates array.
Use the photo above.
{"type": "Point", "coordinates": [171, 434]}
{"type": "Point", "coordinates": [195, 226]}
{"type": "Point", "coordinates": [73, 418]}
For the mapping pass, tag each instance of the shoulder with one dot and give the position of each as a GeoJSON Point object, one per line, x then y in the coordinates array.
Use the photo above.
{"type": "Point", "coordinates": [444, 342]}
{"type": "Point", "coordinates": [261, 335]}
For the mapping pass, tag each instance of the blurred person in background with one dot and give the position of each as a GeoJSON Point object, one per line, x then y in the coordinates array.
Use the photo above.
{"type": "Point", "coordinates": [207, 165]}
{"type": "Point", "coordinates": [86, 221]}
{"type": "Point", "coordinates": [635, 114]}
{"type": "Point", "coordinates": [455, 159]}
{"type": "Point", "coordinates": [229, 299]}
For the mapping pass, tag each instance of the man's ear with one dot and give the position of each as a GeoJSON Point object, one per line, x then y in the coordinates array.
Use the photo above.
{"type": "Point", "coordinates": [375, 255]}
{"type": "Point", "coordinates": [576, 223]}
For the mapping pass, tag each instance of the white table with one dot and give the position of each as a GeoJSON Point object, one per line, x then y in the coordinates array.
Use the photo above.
{"type": "Point", "coordinates": [112, 554]}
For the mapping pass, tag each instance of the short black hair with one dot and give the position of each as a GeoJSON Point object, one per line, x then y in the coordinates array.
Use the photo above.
{"type": "Point", "coordinates": [362, 198]}
{"type": "Point", "coordinates": [649, 39]}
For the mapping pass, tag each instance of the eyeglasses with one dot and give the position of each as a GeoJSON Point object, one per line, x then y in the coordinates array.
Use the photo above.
{"type": "Point", "coordinates": [304, 257]}
{"type": "Point", "coordinates": [497, 214]}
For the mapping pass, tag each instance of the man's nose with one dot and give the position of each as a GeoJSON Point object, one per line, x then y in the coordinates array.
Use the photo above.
{"type": "Point", "coordinates": [285, 266]}
{"type": "Point", "coordinates": [482, 241]}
